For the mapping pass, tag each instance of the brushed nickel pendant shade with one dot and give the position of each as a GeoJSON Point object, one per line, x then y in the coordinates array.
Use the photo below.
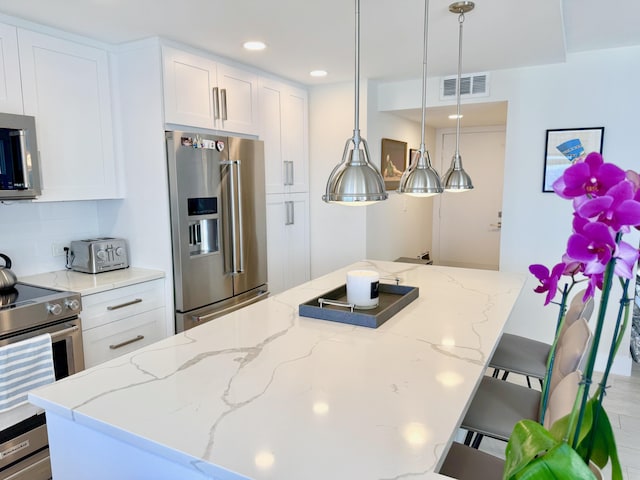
{"type": "Point", "coordinates": [420, 179]}
{"type": "Point", "coordinates": [456, 179]}
{"type": "Point", "coordinates": [355, 180]}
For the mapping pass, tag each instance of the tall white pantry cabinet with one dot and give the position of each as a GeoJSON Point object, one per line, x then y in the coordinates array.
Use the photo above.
{"type": "Point", "coordinates": [284, 129]}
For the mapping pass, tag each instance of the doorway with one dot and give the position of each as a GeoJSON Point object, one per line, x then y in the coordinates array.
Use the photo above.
{"type": "Point", "coordinates": [466, 230]}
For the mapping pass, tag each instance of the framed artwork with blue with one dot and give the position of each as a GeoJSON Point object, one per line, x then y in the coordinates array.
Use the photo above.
{"type": "Point", "coordinates": [566, 146]}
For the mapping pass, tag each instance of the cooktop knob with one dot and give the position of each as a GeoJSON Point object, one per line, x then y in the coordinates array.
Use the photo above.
{"type": "Point", "coordinates": [72, 304]}
{"type": "Point", "coordinates": [54, 308]}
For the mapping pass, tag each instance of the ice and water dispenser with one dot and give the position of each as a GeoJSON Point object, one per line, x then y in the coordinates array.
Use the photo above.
{"type": "Point", "coordinates": [204, 230]}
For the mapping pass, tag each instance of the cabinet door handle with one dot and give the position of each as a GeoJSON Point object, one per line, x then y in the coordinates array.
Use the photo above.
{"type": "Point", "coordinates": [288, 172]}
{"type": "Point", "coordinates": [137, 338]}
{"type": "Point", "coordinates": [290, 220]}
{"type": "Point", "coordinates": [223, 101]}
{"type": "Point", "coordinates": [216, 104]}
{"type": "Point", "coordinates": [126, 304]}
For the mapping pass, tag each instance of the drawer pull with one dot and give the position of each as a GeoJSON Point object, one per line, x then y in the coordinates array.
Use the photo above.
{"type": "Point", "coordinates": [126, 304]}
{"type": "Point", "coordinates": [126, 342]}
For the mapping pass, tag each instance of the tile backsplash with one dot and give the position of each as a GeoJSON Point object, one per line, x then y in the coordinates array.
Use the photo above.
{"type": "Point", "coordinates": [29, 231]}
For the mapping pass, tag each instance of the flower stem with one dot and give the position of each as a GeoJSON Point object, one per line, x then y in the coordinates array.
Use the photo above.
{"type": "Point", "coordinates": [552, 353]}
{"type": "Point", "coordinates": [588, 373]}
{"type": "Point", "coordinates": [615, 344]}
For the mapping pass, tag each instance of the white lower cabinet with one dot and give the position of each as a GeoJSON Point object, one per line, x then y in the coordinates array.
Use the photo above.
{"type": "Point", "coordinates": [288, 259]}
{"type": "Point", "coordinates": [122, 320]}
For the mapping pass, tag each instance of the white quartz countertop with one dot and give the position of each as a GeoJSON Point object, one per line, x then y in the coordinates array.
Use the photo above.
{"type": "Point", "coordinates": [263, 393]}
{"type": "Point", "coordinates": [88, 283]}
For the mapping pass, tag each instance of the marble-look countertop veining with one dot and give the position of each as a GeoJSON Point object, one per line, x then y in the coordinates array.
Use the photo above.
{"type": "Point", "coordinates": [263, 393]}
{"type": "Point", "coordinates": [88, 283]}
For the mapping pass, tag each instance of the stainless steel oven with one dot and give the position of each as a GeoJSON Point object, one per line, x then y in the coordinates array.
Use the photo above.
{"type": "Point", "coordinates": [27, 311]}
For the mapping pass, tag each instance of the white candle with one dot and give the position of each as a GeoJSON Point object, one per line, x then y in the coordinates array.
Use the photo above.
{"type": "Point", "coordinates": [362, 288]}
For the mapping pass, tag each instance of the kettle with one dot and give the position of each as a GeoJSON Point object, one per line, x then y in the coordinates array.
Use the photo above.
{"type": "Point", "coordinates": [7, 278]}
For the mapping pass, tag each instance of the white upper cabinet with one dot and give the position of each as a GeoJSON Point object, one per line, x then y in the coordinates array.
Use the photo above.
{"type": "Point", "coordinates": [200, 92]}
{"type": "Point", "coordinates": [66, 88]}
{"type": "Point", "coordinates": [10, 87]}
{"type": "Point", "coordinates": [284, 129]}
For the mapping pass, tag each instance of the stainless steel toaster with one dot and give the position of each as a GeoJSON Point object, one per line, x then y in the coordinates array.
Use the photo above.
{"type": "Point", "coordinates": [95, 255]}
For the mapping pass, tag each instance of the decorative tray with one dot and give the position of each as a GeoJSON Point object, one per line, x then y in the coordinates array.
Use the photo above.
{"type": "Point", "coordinates": [333, 306]}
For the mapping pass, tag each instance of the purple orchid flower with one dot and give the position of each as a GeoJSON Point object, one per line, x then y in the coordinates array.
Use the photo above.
{"type": "Point", "coordinates": [593, 245]}
{"type": "Point", "coordinates": [590, 177]}
{"type": "Point", "coordinates": [548, 280]}
{"type": "Point", "coordinates": [617, 208]}
{"type": "Point", "coordinates": [626, 257]}
{"type": "Point", "coordinates": [595, 282]}
{"type": "Point", "coordinates": [571, 267]}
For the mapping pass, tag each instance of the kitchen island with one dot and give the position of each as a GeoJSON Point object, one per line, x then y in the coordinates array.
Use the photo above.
{"type": "Point", "coordinates": [263, 393]}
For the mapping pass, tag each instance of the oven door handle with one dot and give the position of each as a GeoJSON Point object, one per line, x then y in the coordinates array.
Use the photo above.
{"type": "Point", "coordinates": [64, 332]}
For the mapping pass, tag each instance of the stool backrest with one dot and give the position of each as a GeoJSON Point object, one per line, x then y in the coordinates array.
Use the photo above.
{"type": "Point", "coordinates": [578, 309]}
{"type": "Point", "coordinates": [562, 398]}
{"type": "Point", "coordinates": [571, 352]}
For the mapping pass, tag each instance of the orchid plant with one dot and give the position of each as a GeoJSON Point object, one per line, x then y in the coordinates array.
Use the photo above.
{"type": "Point", "coordinates": [606, 204]}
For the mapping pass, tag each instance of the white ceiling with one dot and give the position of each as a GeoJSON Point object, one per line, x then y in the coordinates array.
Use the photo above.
{"type": "Point", "coordinates": [303, 35]}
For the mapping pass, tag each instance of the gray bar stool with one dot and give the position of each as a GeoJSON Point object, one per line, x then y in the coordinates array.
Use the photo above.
{"type": "Point", "coordinates": [528, 357]}
{"type": "Point", "coordinates": [467, 463]}
{"type": "Point", "coordinates": [497, 405]}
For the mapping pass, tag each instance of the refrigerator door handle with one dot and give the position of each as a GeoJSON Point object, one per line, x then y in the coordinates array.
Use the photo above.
{"type": "Point", "coordinates": [235, 203]}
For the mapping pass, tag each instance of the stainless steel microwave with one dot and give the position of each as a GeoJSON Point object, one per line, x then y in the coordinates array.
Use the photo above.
{"type": "Point", "coordinates": [19, 166]}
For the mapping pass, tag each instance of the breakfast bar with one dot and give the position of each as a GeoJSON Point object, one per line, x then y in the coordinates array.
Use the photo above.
{"type": "Point", "coordinates": [263, 393]}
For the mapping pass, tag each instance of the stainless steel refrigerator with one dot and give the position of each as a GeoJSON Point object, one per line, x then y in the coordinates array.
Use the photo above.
{"type": "Point", "coordinates": [218, 224]}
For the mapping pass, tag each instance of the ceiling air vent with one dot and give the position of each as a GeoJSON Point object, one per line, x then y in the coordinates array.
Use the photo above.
{"type": "Point", "coordinates": [473, 85]}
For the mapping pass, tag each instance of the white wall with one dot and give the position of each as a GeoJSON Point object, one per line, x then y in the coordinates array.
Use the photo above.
{"type": "Point", "coordinates": [337, 233]}
{"type": "Point", "coordinates": [590, 89]}
{"type": "Point", "coordinates": [29, 229]}
{"type": "Point", "coordinates": [401, 225]}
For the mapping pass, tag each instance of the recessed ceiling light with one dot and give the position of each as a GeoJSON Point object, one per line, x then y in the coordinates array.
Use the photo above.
{"type": "Point", "coordinates": [455, 116]}
{"type": "Point", "coordinates": [318, 73]}
{"type": "Point", "coordinates": [253, 45]}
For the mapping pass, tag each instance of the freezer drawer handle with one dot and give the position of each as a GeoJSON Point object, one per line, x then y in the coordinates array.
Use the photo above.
{"type": "Point", "coordinates": [137, 338]}
{"type": "Point", "coordinates": [224, 311]}
{"type": "Point", "coordinates": [126, 304]}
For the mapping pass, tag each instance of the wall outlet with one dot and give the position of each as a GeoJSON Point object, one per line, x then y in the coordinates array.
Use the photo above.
{"type": "Point", "coordinates": [57, 249]}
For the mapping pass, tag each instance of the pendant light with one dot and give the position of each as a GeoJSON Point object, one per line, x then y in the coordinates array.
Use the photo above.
{"type": "Point", "coordinates": [456, 179]}
{"type": "Point", "coordinates": [355, 180]}
{"type": "Point", "coordinates": [421, 179]}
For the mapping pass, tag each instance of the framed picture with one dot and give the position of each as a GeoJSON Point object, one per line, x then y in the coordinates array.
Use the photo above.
{"type": "Point", "coordinates": [393, 162]}
{"type": "Point", "coordinates": [566, 146]}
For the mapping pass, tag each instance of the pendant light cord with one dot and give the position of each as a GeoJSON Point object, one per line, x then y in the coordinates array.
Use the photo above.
{"type": "Point", "coordinates": [356, 122]}
{"type": "Point", "coordinates": [460, 21]}
{"type": "Point", "coordinates": [424, 82]}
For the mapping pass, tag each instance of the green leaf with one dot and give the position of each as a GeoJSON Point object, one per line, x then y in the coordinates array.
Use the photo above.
{"type": "Point", "coordinates": [527, 441]}
{"type": "Point", "coordinates": [604, 446]}
{"type": "Point", "coordinates": [559, 463]}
